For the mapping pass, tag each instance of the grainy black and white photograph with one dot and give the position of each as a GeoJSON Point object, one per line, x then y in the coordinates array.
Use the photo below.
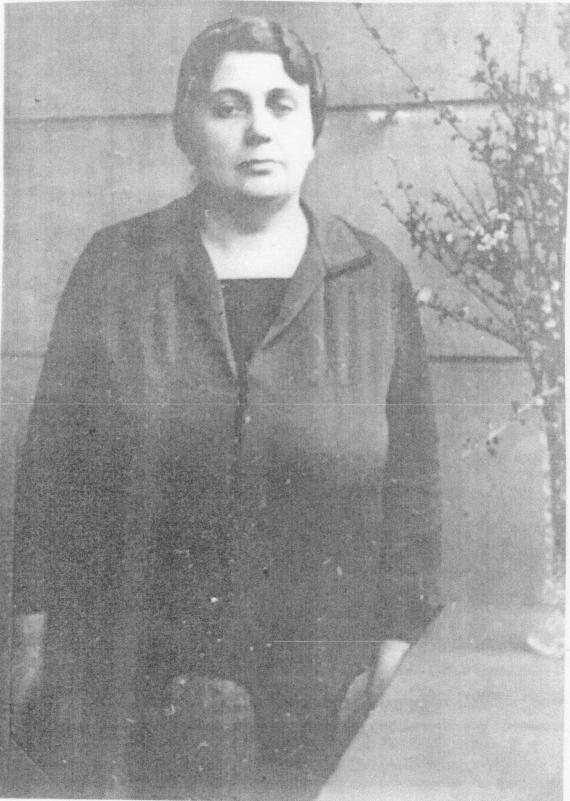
{"type": "Point", "coordinates": [282, 496]}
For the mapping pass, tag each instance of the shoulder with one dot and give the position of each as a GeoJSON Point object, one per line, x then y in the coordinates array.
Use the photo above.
{"type": "Point", "coordinates": [351, 250]}
{"type": "Point", "coordinates": [151, 230]}
{"type": "Point", "coordinates": [129, 255]}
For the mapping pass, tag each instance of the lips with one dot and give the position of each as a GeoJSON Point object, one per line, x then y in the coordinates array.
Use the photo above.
{"type": "Point", "coordinates": [256, 164]}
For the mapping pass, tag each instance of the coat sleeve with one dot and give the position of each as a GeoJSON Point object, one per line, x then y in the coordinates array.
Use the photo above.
{"type": "Point", "coordinates": [67, 472]}
{"type": "Point", "coordinates": [409, 593]}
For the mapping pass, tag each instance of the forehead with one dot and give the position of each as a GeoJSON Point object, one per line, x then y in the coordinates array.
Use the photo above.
{"type": "Point", "coordinates": [253, 72]}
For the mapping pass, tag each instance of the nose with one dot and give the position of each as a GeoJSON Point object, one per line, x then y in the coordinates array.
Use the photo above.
{"type": "Point", "coordinates": [258, 130]}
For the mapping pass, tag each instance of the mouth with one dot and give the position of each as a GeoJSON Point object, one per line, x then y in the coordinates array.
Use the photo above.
{"type": "Point", "coordinates": [257, 165]}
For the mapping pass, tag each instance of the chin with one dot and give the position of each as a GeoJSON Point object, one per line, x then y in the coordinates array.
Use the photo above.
{"type": "Point", "coordinates": [269, 193]}
{"type": "Point", "coordinates": [252, 192]}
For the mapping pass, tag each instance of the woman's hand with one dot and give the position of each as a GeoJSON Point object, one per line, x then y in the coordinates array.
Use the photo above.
{"type": "Point", "coordinates": [27, 664]}
{"type": "Point", "coordinates": [390, 655]}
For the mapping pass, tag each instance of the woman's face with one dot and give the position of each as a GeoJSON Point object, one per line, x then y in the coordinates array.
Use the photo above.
{"type": "Point", "coordinates": [252, 133]}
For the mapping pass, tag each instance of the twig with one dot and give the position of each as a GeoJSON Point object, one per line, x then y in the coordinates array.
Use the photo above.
{"type": "Point", "coordinates": [417, 90]}
{"type": "Point", "coordinates": [537, 401]}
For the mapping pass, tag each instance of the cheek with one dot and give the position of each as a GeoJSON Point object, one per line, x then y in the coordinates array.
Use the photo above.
{"type": "Point", "coordinates": [212, 147]}
{"type": "Point", "coordinates": [301, 147]}
{"type": "Point", "coordinates": [300, 136]}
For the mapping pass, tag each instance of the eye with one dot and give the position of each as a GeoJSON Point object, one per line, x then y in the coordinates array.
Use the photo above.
{"type": "Point", "coordinates": [226, 110]}
{"type": "Point", "coordinates": [225, 105]}
{"type": "Point", "coordinates": [281, 104]}
{"type": "Point", "coordinates": [282, 107]}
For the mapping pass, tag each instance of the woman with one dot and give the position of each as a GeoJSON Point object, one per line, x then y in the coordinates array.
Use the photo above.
{"type": "Point", "coordinates": [227, 507]}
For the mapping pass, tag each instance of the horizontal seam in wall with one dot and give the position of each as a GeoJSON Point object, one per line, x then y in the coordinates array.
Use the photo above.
{"type": "Point", "coordinates": [452, 357]}
{"type": "Point", "coordinates": [161, 115]}
{"type": "Point", "coordinates": [431, 357]}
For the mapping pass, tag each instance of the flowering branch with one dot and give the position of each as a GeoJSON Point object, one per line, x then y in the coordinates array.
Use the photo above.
{"type": "Point", "coordinates": [517, 416]}
{"type": "Point", "coordinates": [506, 246]}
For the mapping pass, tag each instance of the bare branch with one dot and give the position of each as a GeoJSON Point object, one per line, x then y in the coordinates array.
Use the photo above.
{"type": "Point", "coordinates": [416, 89]}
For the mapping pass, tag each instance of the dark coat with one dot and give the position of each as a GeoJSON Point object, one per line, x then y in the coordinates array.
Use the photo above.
{"type": "Point", "coordinates": [169, 519]}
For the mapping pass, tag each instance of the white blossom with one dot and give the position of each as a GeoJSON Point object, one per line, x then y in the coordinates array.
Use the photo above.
{"type": "Point", "coordinates": [425, 295]}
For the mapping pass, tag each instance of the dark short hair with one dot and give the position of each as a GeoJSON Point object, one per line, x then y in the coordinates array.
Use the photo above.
{"type": "Point", "coordinates": [244, 34]}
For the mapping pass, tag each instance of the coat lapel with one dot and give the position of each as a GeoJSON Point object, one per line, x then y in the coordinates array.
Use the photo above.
{"type": "Point", "coordinates": [332, 248]}
{"type": "Point", "coordinates": [193, 263]}
{"type": "Point", "coordinates": [341, 249]}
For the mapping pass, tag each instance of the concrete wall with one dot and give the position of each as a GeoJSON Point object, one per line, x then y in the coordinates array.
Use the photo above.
{"type": "Point", "coordinates": [89, 87]}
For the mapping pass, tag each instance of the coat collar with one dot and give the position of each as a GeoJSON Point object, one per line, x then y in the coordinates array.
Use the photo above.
{"type": "Point", "coordinates": [333, 248]}
{"type": "Point", "coordinates": [340, 248]}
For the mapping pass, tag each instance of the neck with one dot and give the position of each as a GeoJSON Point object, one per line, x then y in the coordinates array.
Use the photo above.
{"type": "Point", "coordinates": [250, 241]}
{"type": "Point", "coordinates": [227, 219]}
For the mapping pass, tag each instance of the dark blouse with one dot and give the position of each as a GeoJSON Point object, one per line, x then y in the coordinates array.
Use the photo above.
{"type": "Point", "coordinates": [251, 306]}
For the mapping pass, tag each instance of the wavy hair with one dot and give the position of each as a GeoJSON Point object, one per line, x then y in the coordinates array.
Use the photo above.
{"type": "Point", "coordinates": [244, 34]}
